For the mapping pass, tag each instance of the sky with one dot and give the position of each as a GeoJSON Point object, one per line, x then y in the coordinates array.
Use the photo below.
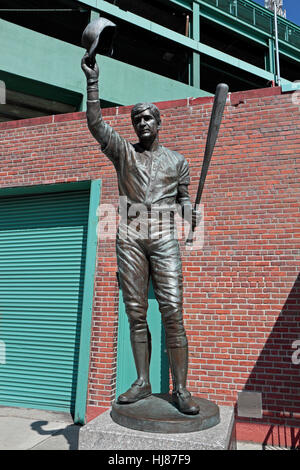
{"type": "Point", "coordinates": [292, 8]}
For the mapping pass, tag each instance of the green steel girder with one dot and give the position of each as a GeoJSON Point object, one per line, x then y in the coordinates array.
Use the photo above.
{"type": "Point", "coordinates": [183, 4]}
{"type": "Point", "coordinates": [289, 51]}
{"type": "Point", "coordinates": [43, 66]}
{"type": "Point", "coordinates": [205, 4]}
{"type": "Point", "coordinates": [233, 24]}
{"type": "Point", "coordinates": [226, 73]}
{"type": "Point", "coordinates": [207, 11]}
{"type": "Point", "coordinates": [290, 87]}
{"type": "Point", "coordinates": [196, 79]}
{"type": "Point", "coordinates": [241, 27]}
{"type": "Point", "coordinates": [36, 64]}
{"type": "Point", "coordinates": [194, 46]}
{"type": "Point", "coordinates": [271, 58]}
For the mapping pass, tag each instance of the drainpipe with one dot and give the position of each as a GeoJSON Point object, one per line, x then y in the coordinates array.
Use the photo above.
{"type": "Point", "coordinates": [276, 43]}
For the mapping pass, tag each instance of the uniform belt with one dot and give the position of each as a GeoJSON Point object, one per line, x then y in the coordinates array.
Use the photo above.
{"type": "Point", "coordinates": [153, 208]}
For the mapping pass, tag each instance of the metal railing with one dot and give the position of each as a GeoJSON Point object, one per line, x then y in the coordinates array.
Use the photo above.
{"type": "Point", "coordinates": [260, 18]}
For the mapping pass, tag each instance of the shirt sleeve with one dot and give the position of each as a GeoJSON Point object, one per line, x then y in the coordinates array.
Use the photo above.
{"type": "Point", "coordinates": [112, 144]}
{"type": "Point", "coordinates": [116, 146]}
{"type": "Point", "coordinates": [184, 175]}
{"type": "Point", "coordinates": [183, 197]}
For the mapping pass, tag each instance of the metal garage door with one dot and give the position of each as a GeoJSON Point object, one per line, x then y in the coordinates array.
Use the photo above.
{"type": "Point", "coordinates": [42, 255]}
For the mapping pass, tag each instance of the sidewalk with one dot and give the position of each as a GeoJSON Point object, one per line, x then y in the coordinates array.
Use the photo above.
{"type": "Point", "coordinates": [25, 429]}
{"type": "Point", "coordinates": [29, 429]}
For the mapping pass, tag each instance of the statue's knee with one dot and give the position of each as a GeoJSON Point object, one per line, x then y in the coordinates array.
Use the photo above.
{"type": "Point", "coordinates": [174, 330]}
{"type": "Point", "coordinates": [138, 328]}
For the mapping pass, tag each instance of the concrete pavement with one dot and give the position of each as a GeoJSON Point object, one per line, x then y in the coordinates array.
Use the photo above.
{"type": "Point", "coordinates": [24, 429]}
{"type": "Point", "coordinates": [29, 429]}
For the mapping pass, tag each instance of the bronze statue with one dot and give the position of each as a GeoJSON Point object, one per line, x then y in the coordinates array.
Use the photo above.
{"type": "Point", "coordinates": [154, 176]}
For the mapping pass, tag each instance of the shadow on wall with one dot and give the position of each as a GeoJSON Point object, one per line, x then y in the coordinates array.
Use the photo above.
{"type": "Point", "coordinates": [276, 376]}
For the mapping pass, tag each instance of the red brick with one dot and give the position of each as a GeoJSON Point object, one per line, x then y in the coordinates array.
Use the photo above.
{"type": "Point", "coordinates": [241, 290]}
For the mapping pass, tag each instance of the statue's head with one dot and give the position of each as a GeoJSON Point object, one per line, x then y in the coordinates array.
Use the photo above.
{"type": "Point", "coordinates": [140, 107]}
{"type": "Point", "coordinates": [146, 121]}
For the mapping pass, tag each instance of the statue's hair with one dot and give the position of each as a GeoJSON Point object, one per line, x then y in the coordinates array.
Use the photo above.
{"type": "Point", "coordinates": [140, 107]}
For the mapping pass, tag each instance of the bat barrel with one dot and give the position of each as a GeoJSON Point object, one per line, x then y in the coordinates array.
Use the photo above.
{"type": "Point", "coordinates": [213, 130]}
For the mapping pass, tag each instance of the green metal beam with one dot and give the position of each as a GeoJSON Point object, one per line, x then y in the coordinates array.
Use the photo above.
{"type": "Point", "coordinates": [44, 188]}
{"type": "Point", "coordinates": [238, 63]}
{"type": "Point", "coordinates": [288, 87]}
{"type": "Point", "coordinates": [35, 87]}
{"type": "Point", "coordinates": [213, 13]}
{"type": "Point", "coordinates": [228, 74]}
{"type": "Point", "coordinates": [87, 305]}
{"type": "Point", "coordinates": [38, 64]}
{"type": "Point", "coordinates": [47, 67]}
{"type": "Point", "coordinates": [147, 86]}
{"type": "Point", "coordinates": [184, 4]}
{"type": "Point", "coordinates": [240, 26]}
{"type": "Point", "coordinates": [271, 58]}
{"type": "Point", "coordinates": [235, 11]}
{"type": "Point", "coordinates": [54, 72]}
{"type": "Point", "coordinates": [193, 45]}
{"type": "Point", "coordinates": [232, 23]}
{"type": "Point", "coordinates": [196, 36]}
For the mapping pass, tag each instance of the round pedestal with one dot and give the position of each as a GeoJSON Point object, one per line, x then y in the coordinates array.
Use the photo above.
{"type": "Point", "coordinates": [157, 413]}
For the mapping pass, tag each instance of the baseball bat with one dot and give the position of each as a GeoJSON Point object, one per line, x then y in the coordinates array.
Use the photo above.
{"type": "Point", "coordinates": [213, 130]}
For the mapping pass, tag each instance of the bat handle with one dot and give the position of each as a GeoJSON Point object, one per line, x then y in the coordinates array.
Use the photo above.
{"type": "Point", "coordinates": [189, 240]}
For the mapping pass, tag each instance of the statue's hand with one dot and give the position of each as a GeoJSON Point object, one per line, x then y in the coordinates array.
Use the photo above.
{"type": "Point", "coordinates": [91, 70]}
{"type": "Point", "coordinates": [196, 218]}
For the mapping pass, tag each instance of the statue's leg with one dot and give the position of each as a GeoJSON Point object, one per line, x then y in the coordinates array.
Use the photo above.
{"type": "Point", "coordinates": [166, 275]}
{"type": "Point", "coordinates": [133, 270]}
{"type": "Point", "coordinates": [178, 358]}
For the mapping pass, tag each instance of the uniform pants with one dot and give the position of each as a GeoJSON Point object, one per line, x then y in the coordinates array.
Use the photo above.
{"type": "Point", "coordinates": [138, 259]}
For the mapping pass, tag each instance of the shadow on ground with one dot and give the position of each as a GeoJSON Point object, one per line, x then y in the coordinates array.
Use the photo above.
{"type": "Point", "coordinates": [68, 436]}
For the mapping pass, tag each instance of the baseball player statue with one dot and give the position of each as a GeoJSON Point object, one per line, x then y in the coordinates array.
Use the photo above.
{"type": "Point", "coordinates": [156, 177]}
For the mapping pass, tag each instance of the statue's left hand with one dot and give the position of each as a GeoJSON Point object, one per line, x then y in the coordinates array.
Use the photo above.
{"type": "Point", "coordinates": [196, 218]}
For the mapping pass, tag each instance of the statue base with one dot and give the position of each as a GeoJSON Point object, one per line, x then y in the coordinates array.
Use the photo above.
{"type": "Point", "coordinates": [102, 433]}
{"type": "Point", "coordinates": [158, 414]}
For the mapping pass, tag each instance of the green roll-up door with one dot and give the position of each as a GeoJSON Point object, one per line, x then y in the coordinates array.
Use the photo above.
{"type": "Point", "coordinates": [42, 256]}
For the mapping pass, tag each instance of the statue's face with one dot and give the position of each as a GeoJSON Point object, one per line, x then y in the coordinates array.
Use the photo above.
{"type": "Point", "coordinates": [145, 125]}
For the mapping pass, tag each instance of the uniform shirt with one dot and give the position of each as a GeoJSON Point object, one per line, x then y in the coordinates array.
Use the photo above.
{"type": "Point", "coordinates": [159, 178]}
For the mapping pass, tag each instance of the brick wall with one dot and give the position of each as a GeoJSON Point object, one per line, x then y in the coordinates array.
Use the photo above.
{"type": "Point", "coordinates": [241, 289]}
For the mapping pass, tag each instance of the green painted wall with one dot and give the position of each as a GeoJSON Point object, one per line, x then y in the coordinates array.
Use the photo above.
{"type": "Point", "coordinates": [36, 64]}
{"type": "Point", "coordinates": [159, 365]}
{"type": "Point", "coordinates": [129, 84]}
{"type": "Point", "coordinates": [49, 67]}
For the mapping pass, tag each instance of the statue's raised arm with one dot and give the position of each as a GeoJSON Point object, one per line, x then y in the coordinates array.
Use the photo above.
{"type": "Point", "coordinates": [96, 125]}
